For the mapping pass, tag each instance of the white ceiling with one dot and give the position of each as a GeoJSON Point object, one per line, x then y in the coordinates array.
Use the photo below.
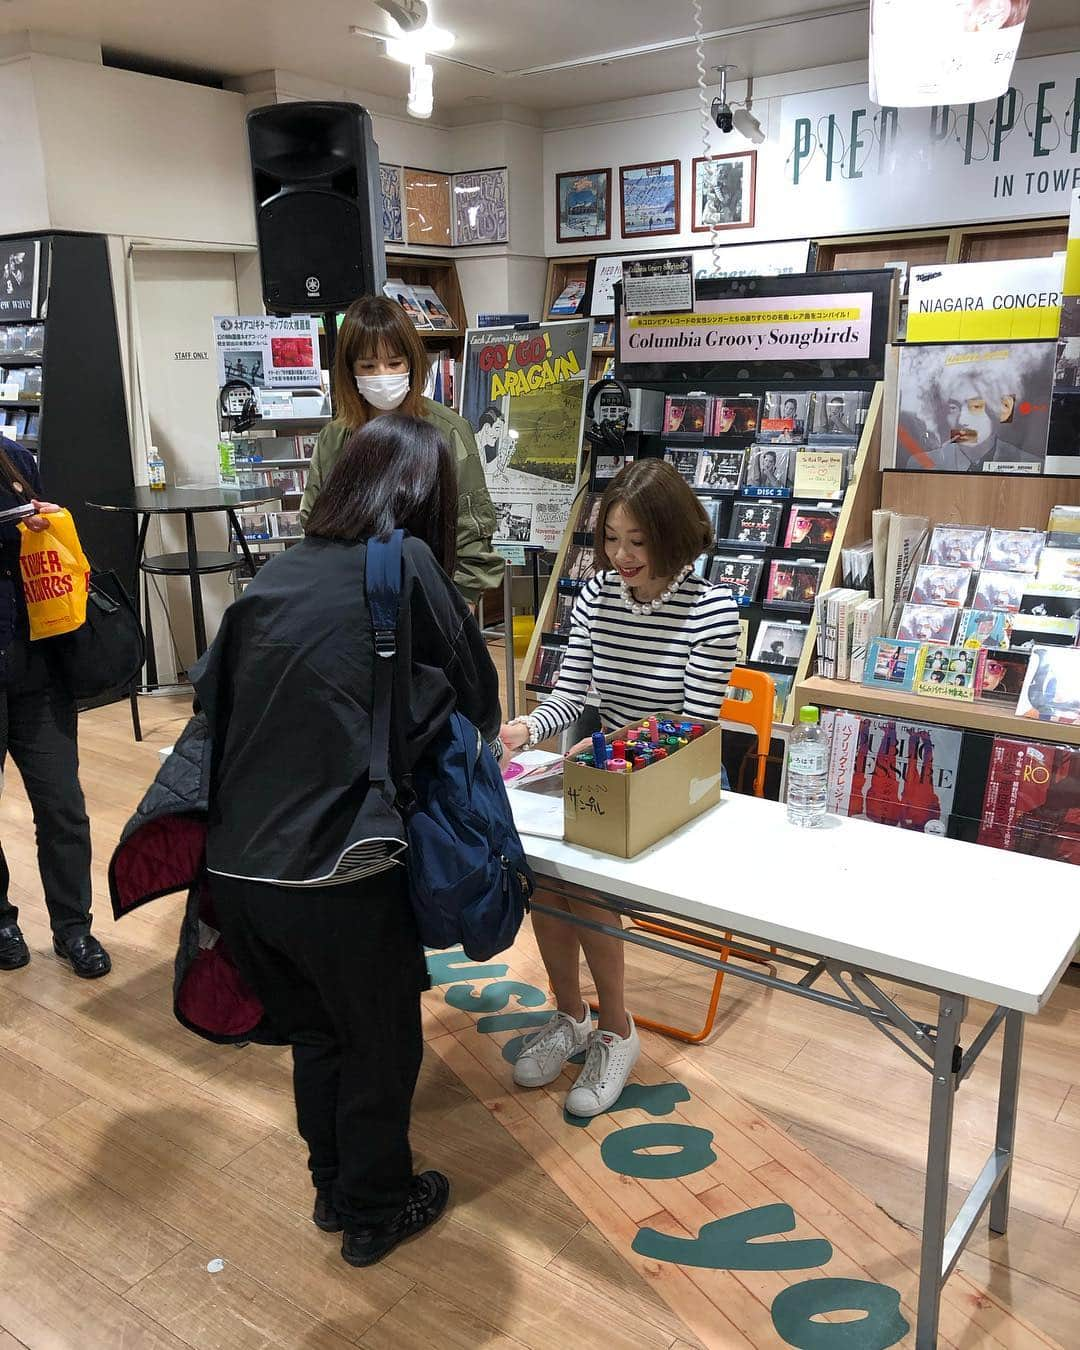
{"type": "Point", "coordinates": [499, 48]}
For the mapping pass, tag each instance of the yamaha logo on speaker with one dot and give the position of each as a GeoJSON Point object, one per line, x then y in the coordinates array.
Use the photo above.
{"type": "Point", "coordinates": [313, 285]}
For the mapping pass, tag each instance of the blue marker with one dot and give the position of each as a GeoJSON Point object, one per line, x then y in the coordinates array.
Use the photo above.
{"type": "Point", "coordinates": [600, 749]}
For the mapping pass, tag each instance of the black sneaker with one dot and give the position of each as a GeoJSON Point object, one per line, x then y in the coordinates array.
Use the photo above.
{"type": "Point", "coordinates": [14, 953]}
{"type": "Point", "coordinates": [325, 1216]}
{"type": "Point", "coordinates": [428, 1197]}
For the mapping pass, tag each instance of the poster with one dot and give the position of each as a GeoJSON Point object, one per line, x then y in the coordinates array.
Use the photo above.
{"type": "Point", "coordinates": [393, 227]}
{"type": "Point", "coordinates": [268, 352]}
{"type": "Point", "coordinates": [583, 205]}
{"type": "Point", "coordinates": [523, 394]}
{"type": "Point", "coordinates": [974, 408]}
{"type": "Point", "coordinates": [985, 301]}
{"type": "Point", "coordinates": [481, 208]}
{"type": "Point", "coordinates": [1063, 445]}
{"type": "Point", "coordinates": [649, 198]}
{"type": "Point", "coordinates": [724, 191]}
{"type": "Point", "coordinates": [20, 264]}
{"type": "Point", "coordinates": [766, 328]}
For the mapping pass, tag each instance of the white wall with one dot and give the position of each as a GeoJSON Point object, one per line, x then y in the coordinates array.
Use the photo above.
{"type": "Point", "coordinates": [24, 203]}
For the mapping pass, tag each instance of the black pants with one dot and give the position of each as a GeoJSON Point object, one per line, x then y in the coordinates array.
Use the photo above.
{"type": "Point", "coordinates": [39, 727]}
{"type": "Point", "coordinates": [339, 970]}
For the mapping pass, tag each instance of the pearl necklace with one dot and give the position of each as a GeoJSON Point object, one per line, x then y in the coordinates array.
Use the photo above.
{"type": "Point", "coordinates": [647, 606]}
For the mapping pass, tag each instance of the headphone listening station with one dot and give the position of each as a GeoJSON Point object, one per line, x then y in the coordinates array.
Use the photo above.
{"type": "Point", "coordinates": [608, 409]}
{"type": "Point", "coordinates": [237, 402]}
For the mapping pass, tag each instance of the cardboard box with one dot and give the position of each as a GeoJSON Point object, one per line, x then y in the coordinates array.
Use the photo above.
{"type": "Point", "coordinates": [623, 813]}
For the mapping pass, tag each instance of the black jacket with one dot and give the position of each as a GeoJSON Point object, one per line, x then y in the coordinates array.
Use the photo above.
{"type": "Point", "coordinates": [287, 692]}
{"type": "Point", "coordinates": [13, 620]}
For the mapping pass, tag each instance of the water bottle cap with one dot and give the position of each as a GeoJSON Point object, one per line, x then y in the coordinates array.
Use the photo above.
{"type": "Point", "coordinates": [808, 713]}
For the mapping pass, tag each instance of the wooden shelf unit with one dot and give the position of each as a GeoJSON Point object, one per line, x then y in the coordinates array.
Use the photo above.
{"type": "Point", "coordinates": [973, 716]}
{"type": "Point", "coordinates": [442, 276]}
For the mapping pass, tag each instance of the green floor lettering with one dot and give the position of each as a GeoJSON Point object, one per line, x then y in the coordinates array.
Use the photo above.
{"type": "Point", "coordinates": [693, 1151]}
{"type": "Point", "coordinates": [727, 1244]}
{"type": "Point", "coordinates": [793, 1310]}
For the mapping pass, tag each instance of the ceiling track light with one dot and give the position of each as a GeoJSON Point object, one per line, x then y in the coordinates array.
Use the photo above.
{"type": "Point", "coordinates": [409, 15]}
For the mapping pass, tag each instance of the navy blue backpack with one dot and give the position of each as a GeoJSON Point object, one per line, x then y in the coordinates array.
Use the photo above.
{"type": "Point", "coordinates": [468, 878]}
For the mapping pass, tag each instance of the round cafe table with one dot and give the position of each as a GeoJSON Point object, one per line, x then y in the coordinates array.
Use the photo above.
{"type": "Point", "coordinates": [193, 562]}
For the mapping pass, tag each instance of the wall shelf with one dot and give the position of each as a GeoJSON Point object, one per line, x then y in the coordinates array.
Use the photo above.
{"type": "Point", "coordinates": [973, 716]}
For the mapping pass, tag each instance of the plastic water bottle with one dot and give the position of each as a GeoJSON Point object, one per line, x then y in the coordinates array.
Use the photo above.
{"type": "Point", "coordinates": [155, 470]}
{"type": "Point", "coordinates": [808, 771]}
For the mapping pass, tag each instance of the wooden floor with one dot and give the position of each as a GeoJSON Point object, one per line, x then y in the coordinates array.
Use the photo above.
{"type": "Point", "coordinates": [133, 1154]}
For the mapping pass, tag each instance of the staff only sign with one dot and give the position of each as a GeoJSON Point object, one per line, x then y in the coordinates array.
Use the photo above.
{"type": "Point", "coordinates": [765, 328]}
{"type": "Point", "coordinates": [985, 302]}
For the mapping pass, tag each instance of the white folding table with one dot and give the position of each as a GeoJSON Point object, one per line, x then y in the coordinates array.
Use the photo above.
{"type": "Point", "coordinates": [854, 902]}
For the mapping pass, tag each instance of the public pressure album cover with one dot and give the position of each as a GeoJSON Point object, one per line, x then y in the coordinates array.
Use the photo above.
{"type": "Point", "coordinates": [793, 582]}
{"type": "Point", "coordinates": [975, 408]}
{"type": "Point", "coordinates": [955, 545]}
{"type": "Point", "coordinates": [771, 466]}
{"type": "Point", "coordinates": [736, 416]}
{"type": "Point", "coordinates": [785, 416]}
{"type": "Point", "coordinates": [779, 644]}
{"type": "Point", "coordinates": [1051, 691]}
{"type": "Point", "coordinates": [1035, 630]}
{"type": "Point", "coordinates": [999, 590]}
{"type": "Point", "coordinates": [839, 415]}
{"type": "Point", "coordinates": [687, 414]}
{"type": "Point", "coordinates": [741, 575]}
{"type": "Point", "coordinates": [720, 469]}
{"type": "Point", "coordinates": [811, 527]}
{"type": "Point", "coordinates": [902, 774]}
{"type": "Point", "coordinates": [756, 522]}
{"type": "Point", "coordinates": [941, 585]}
{"type": "Point", "coordinates": [1032, 799]}
{"type": "Point", "coordinates": [1000, 674]}
{"type": "Point", "coordinates": [928, 623]}
{"type": "Point", "coordinates": [1015, 550]}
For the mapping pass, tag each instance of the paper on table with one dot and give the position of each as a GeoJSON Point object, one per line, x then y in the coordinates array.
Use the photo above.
{"type": "Point", "coordinates": [538, 809]}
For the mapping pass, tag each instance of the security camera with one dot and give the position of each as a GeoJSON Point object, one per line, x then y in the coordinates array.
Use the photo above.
{"type": "Point", "coordinates": [723, 116]}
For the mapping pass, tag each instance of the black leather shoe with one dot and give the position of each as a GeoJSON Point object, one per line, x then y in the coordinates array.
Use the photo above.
{"type": "Point", "coordinates": [428, 1197]}
{"type": "Point", "coordinates": [14, 953]}
{"type": "Point", "coordinates": [325, 1215]}
{"type": "Point", "coordinates": [89, 959]}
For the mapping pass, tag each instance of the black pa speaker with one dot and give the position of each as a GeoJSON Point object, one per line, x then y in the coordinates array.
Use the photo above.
{"type": "Point", "coordinates": [318, 205]}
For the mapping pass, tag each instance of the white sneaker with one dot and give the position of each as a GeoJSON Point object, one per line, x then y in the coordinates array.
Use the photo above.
{"type": "Point", "coordinates": [607, 1067]}
{"type": "Point", "coordinates": [547, 1049]}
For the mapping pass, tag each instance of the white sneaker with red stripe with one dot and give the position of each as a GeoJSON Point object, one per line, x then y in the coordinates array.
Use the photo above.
{"type": "Point", "coordinates": [608, 1062]}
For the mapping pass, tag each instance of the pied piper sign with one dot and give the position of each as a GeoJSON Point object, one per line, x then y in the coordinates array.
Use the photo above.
{"type": "Point", "coordinates": [773, 328]}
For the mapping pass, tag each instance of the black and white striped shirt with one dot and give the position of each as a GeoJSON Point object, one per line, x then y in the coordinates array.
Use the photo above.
{"type": "Point", "coordinates": [676, 659]}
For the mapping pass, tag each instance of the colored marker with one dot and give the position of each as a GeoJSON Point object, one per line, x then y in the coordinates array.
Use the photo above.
{"type": "Point", "coordinates": [615, 765]}
{"type": "Point", "coordinates": [600, 749]}
{"type": "Point", "coordinates": [653, 731]}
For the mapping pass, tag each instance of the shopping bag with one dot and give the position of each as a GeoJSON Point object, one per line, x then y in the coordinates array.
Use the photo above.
{"type": "Point", "coordinates": [55, 577]}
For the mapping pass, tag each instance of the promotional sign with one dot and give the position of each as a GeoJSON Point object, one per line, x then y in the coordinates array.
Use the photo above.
{"type": "Point", "coordinates": [652, 285]}
{"type": "Point", "coordinates": [20, 265]}
{"type": "Point", "coordinates": [788, 258]}
{"type": "Point", "coordinates": [1063, 446]}
{"type": "Point", "coordinates": [523, 394]}
{"type": "Point", "coordinates": [850, 164]}
{"type": "Point", "coordinates": [985, 302]}
{"type": "Point", "coordinates": [770, 328]}
{"type": "Point", "coordinates": [268, 352]}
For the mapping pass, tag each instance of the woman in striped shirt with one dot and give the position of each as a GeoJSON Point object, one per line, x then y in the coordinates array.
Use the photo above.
{"type": "Point", "coordinates": [646, 635]}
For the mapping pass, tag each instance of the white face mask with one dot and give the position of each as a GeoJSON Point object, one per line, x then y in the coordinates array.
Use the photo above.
{"type": "Point", "coordinates": [383, 391]}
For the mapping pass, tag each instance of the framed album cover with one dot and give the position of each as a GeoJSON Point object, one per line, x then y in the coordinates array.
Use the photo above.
{"type": "Point", "coordinates": [481, 207]}
{"type": "Point", "coordinates": [649, 198]}
{"type": "Point", "coordinates": [582, 205]}
{"type": "Point", "coordinates": [725, 188]}
{"type": "Point", "coordinates": [427, 208]}
{"type": "Point", "coordinates": [393, 220]}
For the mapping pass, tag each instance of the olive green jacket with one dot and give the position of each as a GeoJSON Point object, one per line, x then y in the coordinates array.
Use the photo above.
{"type": "Point", "coordinates": [478, 567]}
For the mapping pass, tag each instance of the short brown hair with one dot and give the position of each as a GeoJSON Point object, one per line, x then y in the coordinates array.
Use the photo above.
{"type": "Point", "coordinates": [671, 518]}
{"type": "Point", "coordinates": [374, 326]}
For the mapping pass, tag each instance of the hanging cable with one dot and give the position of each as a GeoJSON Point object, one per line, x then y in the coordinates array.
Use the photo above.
{"type": "Point", "coordinates": [705, 106]}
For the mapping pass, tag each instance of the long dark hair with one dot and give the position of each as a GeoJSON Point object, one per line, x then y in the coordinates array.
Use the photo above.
{"type": "Point", "coordinates": [394, 473]}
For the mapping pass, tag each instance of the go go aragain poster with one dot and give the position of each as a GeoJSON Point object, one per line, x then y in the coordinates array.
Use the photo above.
{"type": "Point", "coordinates": [523, 394]}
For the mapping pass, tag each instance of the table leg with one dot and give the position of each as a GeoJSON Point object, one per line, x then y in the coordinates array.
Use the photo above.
{"type": "Point", "coordinates": [1008, 1094]}
{"type": "Point", "coordinates": [148, 629]}
{"type": "Point", "coordinates": [508, 638]}
{"type": "Point", "coordinates": [198, 619]}
{"type": "Point", "coordinates": [234, 526]}
{"type": "Point", "coordinates": [939, 1148]}
{"type": "Point", "coordinates": [151, 658]}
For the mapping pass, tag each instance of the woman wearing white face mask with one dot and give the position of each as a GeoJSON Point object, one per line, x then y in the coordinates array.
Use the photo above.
{"type": "Point", "coordinates": [381, 366]}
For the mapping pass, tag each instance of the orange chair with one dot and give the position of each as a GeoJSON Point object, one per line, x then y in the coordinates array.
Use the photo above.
{"type": "Point", "coordinates": [756, 713]}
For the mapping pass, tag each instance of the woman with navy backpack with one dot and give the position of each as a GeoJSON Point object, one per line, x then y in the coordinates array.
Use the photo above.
{"type": "Point", "coordinates": [308, 884]}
